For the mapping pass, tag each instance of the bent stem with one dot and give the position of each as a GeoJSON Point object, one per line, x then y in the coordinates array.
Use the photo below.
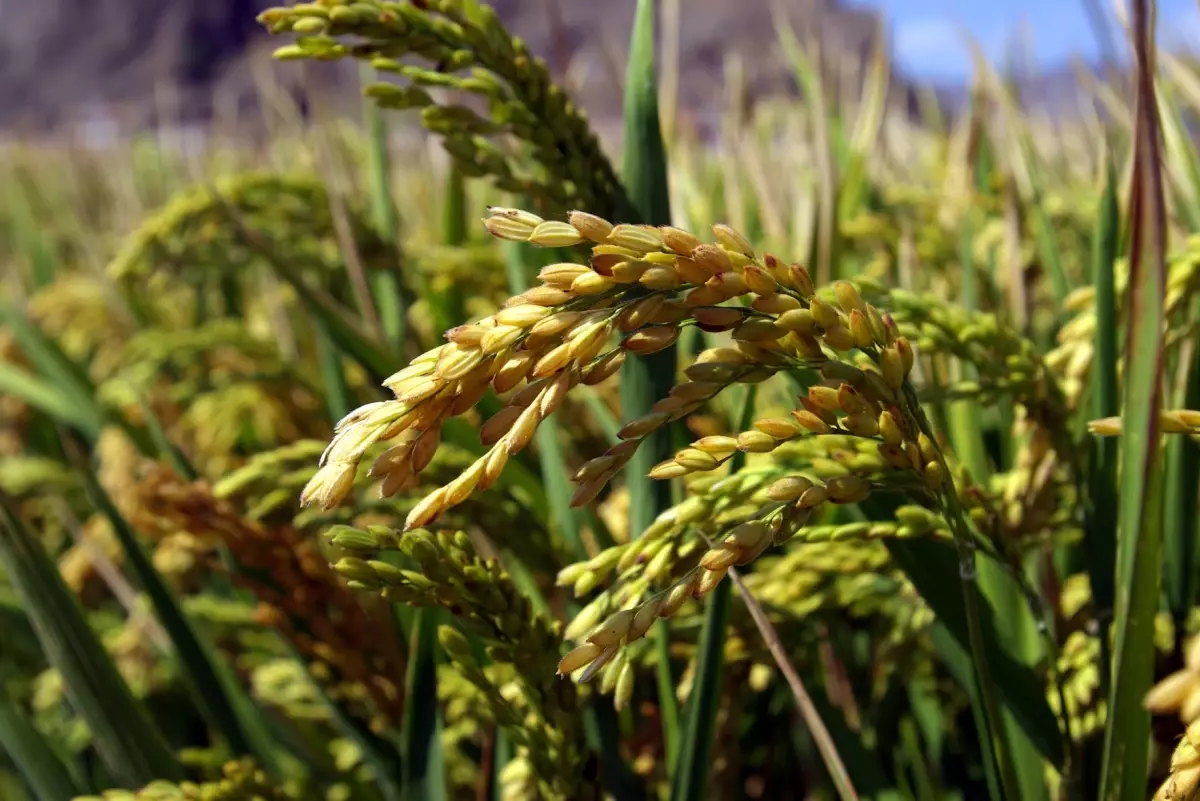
{"type": "Point", "coordinates": [808, 711]}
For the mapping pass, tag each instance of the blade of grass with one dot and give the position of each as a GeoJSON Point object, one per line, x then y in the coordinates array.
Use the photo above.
{"type": "Point", "coordinates": [1100, 514]}
{"type": "Point", "coordinates": [35, 759]}
{"type": "Point", "coordinates": [423, 765]}
{"type": "Point", "coordinates": [386, 286]}
{"type": "Point", "coordinates": [333, 379]}
{"type": "Point", "coordinates": [47, 358]}
{"type": "Point", "coordinates": [45, 397]}
{"type": "Point", "coordinates": [131, 747]}
{"type": "Point", "coordinates": [690, 774]}
{"type": "Point", "coordinates": [1139, 521]}
{"type": "Point", "coordinates": [927, 563]}
{"type": "Point", "coordinates": [1182, 497]}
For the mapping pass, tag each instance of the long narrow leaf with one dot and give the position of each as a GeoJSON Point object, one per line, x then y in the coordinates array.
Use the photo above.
{"type": "Point", "coordinates": [1139, 531]}
{"type": "Point", "coordinates": [1100, 516]}
{"type": "Point", "coordinates": [43, 770]}
{"type": "Point", "coordinates": [386, 286]}
{"type": "Point", "coordinates": [133, 750]}
{"type": "Point", "coordinates": [424, 772]}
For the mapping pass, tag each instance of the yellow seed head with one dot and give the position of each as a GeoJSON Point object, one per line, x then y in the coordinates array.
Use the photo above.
{"type": "Point", "coordinates": [813, 497]}
{"type": "Point", "coordinates": [860, 331]}
{"type": "Point", "coordinates": [891, 366]}
{"type": "Point", "coordinates": [811, 422]}
{"type": "Point", "coordinates": [861, 425]}
{"type": "Point", "coordinates": [651, 340]}
{"type": "Point", "coordinates": [758, 281]}
{"type": "Point", "coordinates": [660, 278]}
{"type": "Point", "coordinates": [644, 618]}
{"type": "Point", "coordinates": [547, 296]}
{"type": "Point", "coordinates": [676, 597]}
{"type": "Point", "coordinates": [708, 581]}
{"type": "Point", "coordinates": [603, 369]}
{"type": "Point", "coordinates": [756, 442]}
{"type": "Point", "coordinates": [591, 284]}
{"type": "Point", "coordinates": [641, 238]}
{"type": "Point", "coordinates": [776, 303]}
{"type": "Point", "coordinates": [729, 284]}
{"type": "Point", "coordinates": [703, 296]}
{"type": "Point", "coordinates": [691, 272]}
{"type": "Point", "coordinates": [720, 558]}
{"type": "Point", "coordinates": [847, 489]}
{"type": "Point", "coordinates": [555, 234]}
{"type": "Point", "coordinates": [522, 316]}
{"type": "Point", "coordinates": [777, 427]}
{"type": "Point", "coordinates": [788, 488]}
{"type": "Point", "coordinates": [890, 429]}
{"type": "Point", "coordinates": [801, 280]}
{"type": "Point", "coordinates": [718, 446]}
{"type": "Point", "coordinates": [907, 357]}
{"type": "Point", "coordinates": [875, 323]}
{"type": "Point", "coordinates": [847, 296]}
{"type": "Point", "coordinates": [678, 240]}
{"type": "Point", "coordinates": [694, 459]}
{"type": "Point", "coordinates": [665, 471]}
{"type": "Point", "coordinates": [429, 508]}
{"type": "Point", "coordinates": [629, 272]}
{"type": "Point", "coordinates": [640, 427]}
{"type": "Point", "coordinates": [590, 226]}
{"type": "Point", "coordinates": [561, 275]}
{"type": "Point", "coordinates": [613, 630]}
{"type": "Point", "coordinates": [712, 258]}
{"type": "Point", "coordinates": [733, 240]}
{"type": "Point", "coordinates": [825, 397]}
{"type": "Point", "coordinates": [581, 657]}
{"type": "Point", "coordinates": [758, 330]}
{"type": "Point", "coordinates": [825, 315]}
{"type": "Point", "coordinates": [719, 318]}
{"type": "Point", "coordinates": [838, 337]}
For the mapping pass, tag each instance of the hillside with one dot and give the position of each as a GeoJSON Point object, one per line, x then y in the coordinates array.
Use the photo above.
{"type": "Point", "coordinates": [68, 61]}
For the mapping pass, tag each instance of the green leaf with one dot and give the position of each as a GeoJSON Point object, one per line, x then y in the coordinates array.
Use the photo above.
{"type": "Point", "coordinates": [133, 750]}
{"type": "Point", "coordinates": [424, 765]}
{"type": "Point", "coordinates": [333, 378]}
{"type": "Point", "coordinates": [386, 286]}
{"type": "Point", "coordinates": [927, 564]}
{"type": "Point", "coordinates": [1181, 510]}
{"type": "Point", "coordinates": [1139, 519]}
{"type": "Point", "coordinates": [33, 756]}
{"type": "Point", "coordinates": [67, 378]}
{"type": "Point", "coordinates": [1100, 514]}
{"type": "Point", "coordinates": [46, 398]}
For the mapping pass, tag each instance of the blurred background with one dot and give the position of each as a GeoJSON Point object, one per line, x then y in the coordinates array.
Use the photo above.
{"type": "Point", "coordinates": [97, 67]}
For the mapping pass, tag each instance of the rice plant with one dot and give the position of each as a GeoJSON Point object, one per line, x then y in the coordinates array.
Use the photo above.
{"type": "Point", "coordinates": [855, 454]}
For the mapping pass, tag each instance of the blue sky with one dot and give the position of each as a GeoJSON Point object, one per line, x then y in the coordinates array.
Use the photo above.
{"type": "Point", "coordinates": [927, 43]}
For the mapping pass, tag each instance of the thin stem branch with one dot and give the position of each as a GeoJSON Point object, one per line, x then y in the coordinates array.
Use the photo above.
{"type": "Point", "coordinates": [808, 711]}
